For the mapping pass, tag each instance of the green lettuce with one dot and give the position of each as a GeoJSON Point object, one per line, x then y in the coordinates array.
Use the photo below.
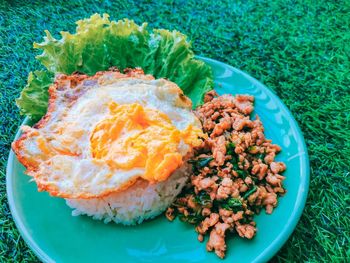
{"type": "Point", "coordinates": [99, 44]}
{"type": "Point", "coordinates": [34, 97]}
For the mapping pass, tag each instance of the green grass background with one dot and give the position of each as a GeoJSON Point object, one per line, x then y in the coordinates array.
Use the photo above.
{"type": "Point", "coordinates": [300, 49]}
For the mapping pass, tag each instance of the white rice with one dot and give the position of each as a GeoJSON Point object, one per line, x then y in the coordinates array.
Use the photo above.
{"type": "Point", "coordinates": [134, 205]}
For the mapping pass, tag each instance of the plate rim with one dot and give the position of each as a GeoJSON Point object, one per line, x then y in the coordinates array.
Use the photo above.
{"type": "Point", "coordinates": [16, 218]}
{"type": "Point", "coordinates": [268, 252]}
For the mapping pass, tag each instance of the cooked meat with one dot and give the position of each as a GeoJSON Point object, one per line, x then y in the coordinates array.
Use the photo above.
{"type": "Point", "coordinates": [234, 173]}
{"type": "Point", "coordinates": [246, 230]}
{"type": "Point", "coordinates": [207, 223]}
{"type": "Point", "coordinates": [217, 239]}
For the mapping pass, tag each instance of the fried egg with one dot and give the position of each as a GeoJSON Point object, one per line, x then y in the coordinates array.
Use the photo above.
{"type": "Point", "coordinates": [103, 133]}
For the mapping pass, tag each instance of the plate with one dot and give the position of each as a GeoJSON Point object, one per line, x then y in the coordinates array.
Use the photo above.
{"type": "Point", "coordinates": [54, 235]}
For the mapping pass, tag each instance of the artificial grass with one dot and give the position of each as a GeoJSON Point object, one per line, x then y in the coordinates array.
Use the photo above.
{"type": "Point", "coordinates": [300, 49]}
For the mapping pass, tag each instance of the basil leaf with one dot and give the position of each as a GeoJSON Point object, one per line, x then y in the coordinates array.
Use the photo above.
{"type": "Point", "coordinates": [249, 192]}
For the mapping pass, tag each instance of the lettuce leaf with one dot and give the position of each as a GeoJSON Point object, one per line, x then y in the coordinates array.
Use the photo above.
{"type": "Point", "coordinates": [34, 97]}
{"type": "Point", "coordinates": [99, 44]}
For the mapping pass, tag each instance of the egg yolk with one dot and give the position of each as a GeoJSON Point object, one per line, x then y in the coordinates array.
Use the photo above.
{"type": "Point", "coordinates": [138, 137]}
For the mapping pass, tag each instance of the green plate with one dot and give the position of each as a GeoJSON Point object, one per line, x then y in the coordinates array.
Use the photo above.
{"type": "Point", "coordinates": [54, 235]}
